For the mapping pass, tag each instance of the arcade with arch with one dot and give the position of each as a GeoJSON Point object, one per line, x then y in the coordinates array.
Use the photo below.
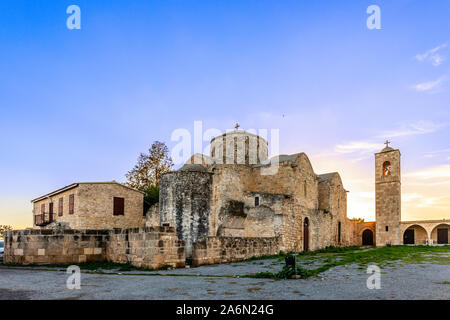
{"type": "Point", "coordinates": [425, 232]}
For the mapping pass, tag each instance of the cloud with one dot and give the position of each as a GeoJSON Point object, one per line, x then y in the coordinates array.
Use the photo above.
{"type": "Point", "coordinates": [437, 60]}
{"type": "Point", "coordinates": [410, 197]}
{"type": "Point", "coordinates": [430, 86]}
{"type": "Point", "coordinates": [358, 146]}
{"type": "Point", "coordinates": [439, 172]}
{"type": "Point", "coordinates": [432, 56]}
{"type": "Point", "coordinates": [367, 146]}
{"type": "Point", "coordinates": [365, 195]}
{"type": "Point", "coordinates": [420, 127]}
{"type": "Point", "coordinates": [432, 154]}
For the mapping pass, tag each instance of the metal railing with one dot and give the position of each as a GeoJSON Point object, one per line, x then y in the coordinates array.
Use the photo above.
{"type": "Point", "coordinates": [43, 219]}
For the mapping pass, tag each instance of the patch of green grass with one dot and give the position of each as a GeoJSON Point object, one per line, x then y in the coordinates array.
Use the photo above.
{"type": "Point", "coordinates": [330, 249]}
{"type": "Point", "coordinates": [386, 256]}
{"type": "Point", "coordinates": [267, 257]}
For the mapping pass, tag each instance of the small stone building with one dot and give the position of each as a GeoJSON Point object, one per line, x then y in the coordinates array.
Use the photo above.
{"type": "Point", "coordinates": [90, 205]}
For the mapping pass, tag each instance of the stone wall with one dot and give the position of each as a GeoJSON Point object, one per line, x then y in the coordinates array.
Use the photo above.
{"type": "Point", "coordinates": [286, 197]}
{"type": "Point", "coordinates": [65, 217]}
{"type": "Point", "coordinates": [185, 203]}
{"type": "Point", "coordinates": [93, 206]}
{"type": "Point", "coordinates": [153, 217]}
{"type": "Point", "coordinates": [96, 207]}
{"type": "Point", "coordinates": [213, 250]}
{"type": "Point", "coordinates": [55, 246]}
{"type": "Point", "coordinates": [334, 228]}
{"type": "Point", "coordinates": [151, 247]}
{"type": "Point", "coordinates": [141, 247]}
{"type": "Point", "coordinates": [296, 180]}
{"type": "Point", "coordinates": [360, 227]}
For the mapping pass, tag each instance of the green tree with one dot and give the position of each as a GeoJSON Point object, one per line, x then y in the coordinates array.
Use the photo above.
{"type": "Point", "coordinates": [3, 229]}
{"type": "Point", "coordinates": [146, 173]}
{"type": "Point", "coordinates": [151, 195]}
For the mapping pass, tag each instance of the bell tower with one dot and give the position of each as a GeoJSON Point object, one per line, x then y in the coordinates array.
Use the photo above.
{"type": "Point", "coordinates": [388, 196]}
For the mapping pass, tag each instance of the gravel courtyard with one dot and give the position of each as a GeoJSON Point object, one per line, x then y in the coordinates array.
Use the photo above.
{"type": "Point", "coordinates": [227, 281]}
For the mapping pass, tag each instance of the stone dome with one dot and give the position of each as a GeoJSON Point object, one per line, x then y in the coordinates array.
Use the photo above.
{"type": "Point", "coordinates": [193, 167]}
{"type": "Point", "coordinates": [387, 149]}
{"type": "Point", "coordinates": [239, 147]}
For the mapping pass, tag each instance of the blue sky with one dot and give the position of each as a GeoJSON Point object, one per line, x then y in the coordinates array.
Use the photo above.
{"type": "Point", "coordinates": [80, 105]}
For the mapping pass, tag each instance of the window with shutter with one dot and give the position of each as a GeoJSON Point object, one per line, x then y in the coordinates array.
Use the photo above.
{"type": "Point", "coordinates": [119, 206]}
{"type": "Point", "coordinates": [339, 232]}
{"type": "Point", "coordinates": [60, 207]}
{"type": "Point", "coordinates": [71, 203]}
{"type": "Point", "coordinates": [50, 212]}
{"type": "Point", "coordinates": [43, 208]}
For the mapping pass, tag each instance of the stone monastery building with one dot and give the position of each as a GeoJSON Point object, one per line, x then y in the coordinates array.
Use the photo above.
{"type": "Point", "coordinates": [230, 205]}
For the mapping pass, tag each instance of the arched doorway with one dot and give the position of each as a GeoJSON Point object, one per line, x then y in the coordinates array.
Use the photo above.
{"type": "Point", "coordinates": [367, 237]}
{"type": "Point", "coordinates": [415, 234]}
{"type": "Point", "coordinates": [408, 236]}
{"type": "Point", "coordinates": [306, 235]}
{"type": "Point", "coordinates": [440, 233]}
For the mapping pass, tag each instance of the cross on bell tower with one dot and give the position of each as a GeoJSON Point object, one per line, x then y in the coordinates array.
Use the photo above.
{"type": "Point", "coordinates": [237, 126]}
{"type": "Point", "coordinates": [387, 143]}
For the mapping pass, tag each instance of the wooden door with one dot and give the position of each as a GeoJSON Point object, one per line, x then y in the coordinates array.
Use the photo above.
{"type": "Point", "coordinates": [50, 212]}
{"type": "Point", "coordinates": [306, 235]}
{"type": "Point", "coordinates": [367, 238]}
{"type": "Point", "coordinates": [408, 236]}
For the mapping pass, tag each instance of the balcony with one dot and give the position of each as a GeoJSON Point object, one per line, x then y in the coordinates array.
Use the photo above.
{"type": "Point", "coordinates": [43, 219]}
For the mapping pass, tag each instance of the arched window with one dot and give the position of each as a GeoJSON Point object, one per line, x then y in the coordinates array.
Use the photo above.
{"type": "Point", "coordinates": [305, 191]}
{"type": "Point", "coordinates": [386, 168]}
{"type": "Point", "coordinates": [339, 232]}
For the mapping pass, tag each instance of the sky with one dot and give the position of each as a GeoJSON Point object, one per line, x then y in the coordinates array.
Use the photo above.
{"type": "Point", "coordinates": [81, 104]}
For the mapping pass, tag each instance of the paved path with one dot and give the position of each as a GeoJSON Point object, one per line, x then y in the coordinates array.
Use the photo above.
{"type": "Point", "coordinates": [424, 281]}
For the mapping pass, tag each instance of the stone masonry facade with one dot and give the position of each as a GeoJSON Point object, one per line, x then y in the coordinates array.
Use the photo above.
{"type": "Point", "coordinates": [231, 205]}
{"type": "Point", "coordinates": [388, 197]}
{"type": "Point", "coordinates": [93, 206]}
{"type": "Point", "coordinates": [228, 195]}
{"type": "Point", "coordinates": [151, 248]}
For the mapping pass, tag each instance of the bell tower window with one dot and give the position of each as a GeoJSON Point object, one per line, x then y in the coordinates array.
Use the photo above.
{"type": "Point", "coordinates": [387, 168]}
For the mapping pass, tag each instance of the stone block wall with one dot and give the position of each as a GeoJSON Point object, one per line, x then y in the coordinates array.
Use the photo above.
{"type": "Point", "coordinates": [212, 250]}
{"type": "Point", "coordinates": [150, 247]}
{"type": "Point", "coordinates": [96, 207]}
{"type": "Point", "coordinates": [55, 246]}
{"type": "Point", "coordinates": [93, 206]}
{"type": "Point", "coordinates": [152, 217]}
{"type": "Point", "coordinates": [185, 203]}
